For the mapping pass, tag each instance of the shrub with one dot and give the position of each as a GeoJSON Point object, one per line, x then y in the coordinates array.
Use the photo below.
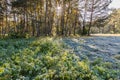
{"type": "Point", "coordinates": [15, 35]}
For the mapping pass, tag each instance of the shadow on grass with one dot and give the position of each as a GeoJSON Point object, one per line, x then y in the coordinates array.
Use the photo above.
{"type": "Point", "coordinates": [9, 47]}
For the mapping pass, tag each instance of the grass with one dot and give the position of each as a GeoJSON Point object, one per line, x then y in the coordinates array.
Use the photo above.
{"type": "Point", "coordinates": [105, 35]}
{"type": "Point", "coordinates": [117, 57]}
{"type": "Point", "coordinates": [48, 59]}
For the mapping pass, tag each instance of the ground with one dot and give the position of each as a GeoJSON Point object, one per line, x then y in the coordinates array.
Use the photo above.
{"type": "Point", "coordinates": [105, 35]}
{"type": "Point", "coordinates": [106, 48]}
{"type": "Point", "coordinates": [38, 58]}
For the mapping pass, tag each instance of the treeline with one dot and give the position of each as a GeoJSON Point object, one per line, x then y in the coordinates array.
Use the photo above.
{"type": "Point", "coordinates": [113, 25]}
{"type": "Point", "coordinates": [50, 17]}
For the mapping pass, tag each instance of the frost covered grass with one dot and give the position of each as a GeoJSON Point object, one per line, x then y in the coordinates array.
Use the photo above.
{"type": "Point", "coordinates": [49, 59]}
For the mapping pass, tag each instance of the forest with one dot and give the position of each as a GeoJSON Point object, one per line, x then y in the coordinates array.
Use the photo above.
{"type": "Point", "coordinates": [20, 18]}
{"type": "Point", "coordinates": [59, 40]}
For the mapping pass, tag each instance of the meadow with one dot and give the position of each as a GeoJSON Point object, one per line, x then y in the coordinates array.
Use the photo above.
{"type": "Point", "coordinates": [49, 59]}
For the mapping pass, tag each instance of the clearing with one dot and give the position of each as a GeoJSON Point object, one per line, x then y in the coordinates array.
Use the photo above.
{"type": "Point", "coordinates": [106, 48]}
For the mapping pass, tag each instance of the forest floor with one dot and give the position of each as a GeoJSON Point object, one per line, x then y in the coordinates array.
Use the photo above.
{"type": "Point", "coordinates": [106, 48]}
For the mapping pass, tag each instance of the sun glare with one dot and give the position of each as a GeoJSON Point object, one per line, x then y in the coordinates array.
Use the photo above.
{"type": "Point", "coordinates": [59, 10]}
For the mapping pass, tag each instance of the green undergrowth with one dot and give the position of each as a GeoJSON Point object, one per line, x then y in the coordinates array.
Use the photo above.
{"type": "Point", "coordinates": [48, 59]}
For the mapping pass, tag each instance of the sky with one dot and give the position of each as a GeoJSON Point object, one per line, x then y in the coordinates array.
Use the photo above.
{"type": "Point", "coordinates": [115, 4]}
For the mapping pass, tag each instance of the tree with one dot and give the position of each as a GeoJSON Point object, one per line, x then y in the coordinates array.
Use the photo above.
{"type": "Point", "coordinates": [113, 25]}
{"type": "Point", "coordinates": [91, 11]}
{"type": "Point", "coordinates": [52, 17]}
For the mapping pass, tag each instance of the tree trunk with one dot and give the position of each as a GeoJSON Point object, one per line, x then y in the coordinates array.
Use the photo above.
{"type": "Point", "coordinates": [91, 18]}
{"type": "Point", "coordinates": [84, 18]}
